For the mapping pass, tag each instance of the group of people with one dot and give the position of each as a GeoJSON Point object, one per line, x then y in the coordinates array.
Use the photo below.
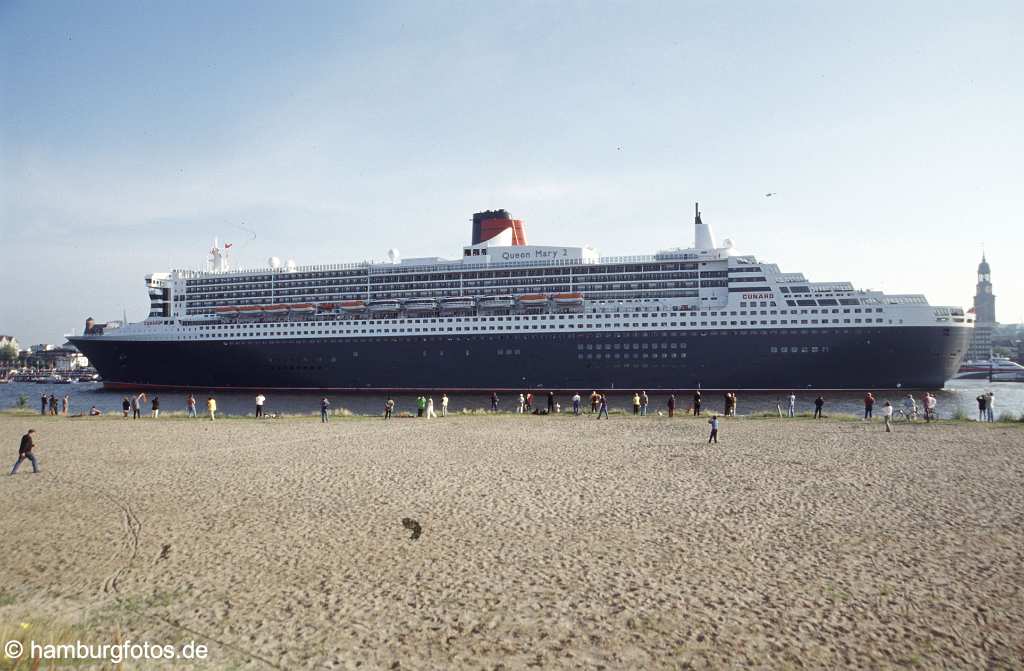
{"type": "Point", "coordinates": [986, 407]}
{"type": "Point", "coordinates": [51, 405]}
{"type": "Point", "coordinates": [425, 406]}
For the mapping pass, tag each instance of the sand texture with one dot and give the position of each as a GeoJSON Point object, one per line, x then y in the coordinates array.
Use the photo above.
{"type": "Point", "coordinates": [543, 541]}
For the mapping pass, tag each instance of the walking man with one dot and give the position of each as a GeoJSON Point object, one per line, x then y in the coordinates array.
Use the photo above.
{"type": "Point", "coordinates": [324, 406]}
{"type": "Point", "coordinates": [494, 402]}
{"type": "Point", "coordinates": [714, 429]}
{"type": "Point", "coordinates": [818, 404]}
{"type": "Point", "coordinates": [602, 407]}
{"type": "Point", "coordinates": [887, 416]}
{"type": "Point", "coordinates": [430, 408]}
{"type": "Point", "coordinates": [25, 452]}
{"type": "Point", "coordinates": [156, 407]}
{"type": "Point", "coordinates": [792, 405]}
{"type": "Point", "coordinates": [260, 400]}
{"type": "Point", "coordinates": [869, 405]}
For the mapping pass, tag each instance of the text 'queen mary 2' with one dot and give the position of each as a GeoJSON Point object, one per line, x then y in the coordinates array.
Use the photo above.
{"type": "Point", "coordinates": [510, 315]}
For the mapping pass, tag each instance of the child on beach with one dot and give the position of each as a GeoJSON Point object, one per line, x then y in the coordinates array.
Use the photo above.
{"type": "Point", "coordinates": [211, 407]}
{"type": "Point", "coordinates": [389, 407]}
{"type": "Point", "coordinates": [714, 429]}
{"type": "Point", "coordinates": [444, 405]}
{"type": "Point", "coordinates": [887, 415]}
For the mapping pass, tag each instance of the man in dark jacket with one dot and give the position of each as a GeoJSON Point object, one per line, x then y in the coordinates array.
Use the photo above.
{"type": "Point", "coordinates": [25, 452]}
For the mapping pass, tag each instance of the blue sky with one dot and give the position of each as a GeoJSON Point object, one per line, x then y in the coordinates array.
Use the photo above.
{"type": "Point", "coordinates": [132, 133]}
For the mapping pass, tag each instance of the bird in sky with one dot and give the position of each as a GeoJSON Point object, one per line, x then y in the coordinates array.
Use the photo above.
{"type": "Point", "coordinates": [769, 195]}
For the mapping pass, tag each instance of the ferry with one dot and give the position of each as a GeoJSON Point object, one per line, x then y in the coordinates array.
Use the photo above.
{"type": "Point", "coordinates": [1000, 368]}
{"type": "Point", "coordinates": [518, 316]}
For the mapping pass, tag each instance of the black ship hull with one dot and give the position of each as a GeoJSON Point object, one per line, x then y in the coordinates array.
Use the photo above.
{"type": "Point", "coordinates": [864, 358]}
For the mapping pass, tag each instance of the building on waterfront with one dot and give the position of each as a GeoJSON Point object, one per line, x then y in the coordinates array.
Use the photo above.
{"type": "Point", "coordinates": [984, 315]}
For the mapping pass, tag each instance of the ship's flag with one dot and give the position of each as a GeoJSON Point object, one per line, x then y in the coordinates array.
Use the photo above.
{"type": "Point", "coordinates": [227, 245]}
{"type": "Point", "coordinates": [971, 311]}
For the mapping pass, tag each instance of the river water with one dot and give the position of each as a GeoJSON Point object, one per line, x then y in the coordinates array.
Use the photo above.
{"type": "Point", "coordinates": [958, 394]}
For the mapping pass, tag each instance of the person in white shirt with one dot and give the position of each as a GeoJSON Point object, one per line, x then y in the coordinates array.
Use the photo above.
{"type": "Point", "coordinates": [522, 404]}
{"type": "Point", "coordinates": [260, 400]}
{"type": "Point", "coordinates": [792, 405]}
{"type": "Point", "coordinates": [887, 416]}
{"type": "Point", "coordinates": [430, 408]}
{"type": "Point", "coordinates": [990, 412]}
{"type": "Point", "coordinates": [444, 405]}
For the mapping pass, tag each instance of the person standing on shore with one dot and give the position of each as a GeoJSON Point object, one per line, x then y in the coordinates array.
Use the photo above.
{"type": "Point", "coordinates": [551, 402]}
{"type": "Point", "coordinates": [494, 402]}
{"type": "Point", "coordinates": [910, 408]}
{"type": "Point", "coordinates": [211, 407]}
{"type": "Point", "coordinates": [887, 416]}
{"type": "Point", "coordinates": [156, 407]}
{"type": "Point", "coordinates": [602, 406]}
{"type": "Point", "coordinates": [522, 404]}
{"type": "Point", "coordinates": [636, 404]}
{"type": "Point", "coordinates": [869, 405]}
{"type": "Point", "coordinates": [444, 404]}
{"type": "Point", "coordinates": [576, 404]}
{"type": "Point", "coordinates": [643, 403]}
{"type": "Point", "coordinates": [728, 403]}
{"type": "Point", "coordinates": [430, 408]}
{"type": "Point", "coordinates": [25, 452]}
{"type": "Point", "coordinates": [671, 405]}
{"type": "Point", "coordinates": [982, 404]}
{"type": "Point", "coordinates": [990, 406]}
{"type": "Point", "coordinates": [421, 405]}
{"type": "Point", "coordinates": [696, 403]}
{"type": "Point", "coordinates": [714, 429]}
{"type": "Point", "coordinates": [324, 407]}
{"type": "Point", "coordinates": [595, 400]}
{"type": "Point", "coordinates": [529, 401]}
{"type": "Point", "coordinates": [44, 403]}
{"type": "Point", "coordinates": [65, 404]}
{"type": "Point", "coordinates": [792, 404]}
{"type": "Point", "coordinates": [819, 403]}
{"type": "Point", "coordinates": [389, 407]}
{"type": "Point", "coordinates": [930, 402]}
{"type": "Point", "coordinates": [137, 408]}
{"type": "Point", "coordinates": [53, 405]}
{"type": "Point", "coordinates": [190, 406]}
{"type": "Point", "coordinates": [260, 400]}
{"type": "Point", "coordinates": [126, 405]}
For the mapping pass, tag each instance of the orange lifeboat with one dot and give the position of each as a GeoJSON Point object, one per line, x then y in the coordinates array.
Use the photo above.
{"type": "Point", "coordinates": [573, 298]}
{"type": "Point", "coordinates": [533, 299]}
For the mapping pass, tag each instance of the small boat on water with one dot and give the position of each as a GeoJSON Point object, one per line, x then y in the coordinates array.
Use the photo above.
{"type": "Point", "coordinates": [1001, 368]}
{"type": "Point", "coordinates": [573, 298]}
{"type": "Point", "coordinates": [497, 302]}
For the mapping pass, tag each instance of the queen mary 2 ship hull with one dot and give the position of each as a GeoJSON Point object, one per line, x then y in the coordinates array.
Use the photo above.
{"type": "Point", "coordinates": [513, 316]}
{"type": "Point", "coordinates": [861, 358]}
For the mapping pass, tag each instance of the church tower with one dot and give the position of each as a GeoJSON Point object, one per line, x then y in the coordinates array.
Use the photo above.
{"type": "Point", "coordinates": [984, 315]}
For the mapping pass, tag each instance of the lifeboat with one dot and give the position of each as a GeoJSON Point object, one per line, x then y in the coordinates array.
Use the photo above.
{"type": "Point", "coordinates": [421, 305]}
{"type": "Point", "coordinates": [226, 311]}
{"type": "Point", "coordinates": [533, 299]}
{"type": "Point", "coordinates": [385, 305]}
{"type": "Point", "coordinates": [251, 310]}
{"type": "Point", "coordinates": [276, 310]}
{"type": "Point", "coordinates": [352, 306]}
{"type": "Point", "coordinates": [572, 298]}
{"type": "Point", "coordinates": [303, 308]}
{"type": "Point", "coordinates": [458, 303]}
{"type": "Point", "coordinates": [497, 302]}
{"type": "Point", "coordinates": [326, 307]}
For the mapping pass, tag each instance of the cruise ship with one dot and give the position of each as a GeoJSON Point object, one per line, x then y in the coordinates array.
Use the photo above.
{"type": "Point", "coordinates": [509, 315]}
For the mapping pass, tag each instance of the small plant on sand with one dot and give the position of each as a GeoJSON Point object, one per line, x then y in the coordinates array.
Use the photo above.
{"type": "Point", "coordinates": [1008, 417]}
{"type": "Point", "coordinates": [22, 401]}
{"type": "Point", "coordinates": [959, 415]}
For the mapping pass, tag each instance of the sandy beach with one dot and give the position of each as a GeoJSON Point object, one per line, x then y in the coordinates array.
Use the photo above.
{"type": "Point", "coordinates": [551, 542]}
